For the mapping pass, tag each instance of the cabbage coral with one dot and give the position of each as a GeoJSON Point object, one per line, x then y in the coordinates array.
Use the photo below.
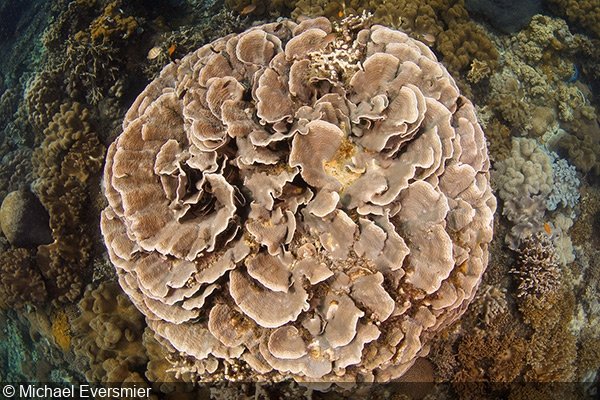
{"type": "Point", "coordinates": [274, 220]}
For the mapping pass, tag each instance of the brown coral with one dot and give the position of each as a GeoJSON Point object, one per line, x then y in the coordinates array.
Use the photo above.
{"type": "Point", "coordinates": [20, 281]}
{"type": "Point", "coordinates": [108, 333]}
{"type": "Point", "coordinates": [112, 24]}
{"type": "Point", "coordinates": [319, 229]}
{"type": "Point", "coordinates": [443, 24]}
{"type": "Point", "coordinates": [538, 268]}
{"type": "Point", "coordinates": [66, 162]}
{"type": "Point", "coordinates": [583, 12]}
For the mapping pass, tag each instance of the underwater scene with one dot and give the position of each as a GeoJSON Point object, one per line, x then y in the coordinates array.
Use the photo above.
{"type": "Point", "coordinates": [268, 199]}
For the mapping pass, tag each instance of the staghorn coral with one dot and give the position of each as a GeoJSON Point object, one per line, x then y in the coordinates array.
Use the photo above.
{"type": "Point", "coordinates": [108, 333]}
{"type": "Point", "coordinates": [549, 315]}
{"type": "Point", "coordinates": [495, 354]}
{"type": "Point", "coordinates": [316, 229]}
{"type": "Point", "coordinates": [65, 163]}
{"type": "Point", "coordinates": [20, 282]}
{"type": "Point", "coordinates": [538, 270]}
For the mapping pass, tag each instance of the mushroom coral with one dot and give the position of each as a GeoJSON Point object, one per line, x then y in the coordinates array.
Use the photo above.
{"type": "Point", "coordinates": [309, 225]}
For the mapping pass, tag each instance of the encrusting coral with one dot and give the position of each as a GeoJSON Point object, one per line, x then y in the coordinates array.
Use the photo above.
{"type": "Point", "coordinates": [319, 229]}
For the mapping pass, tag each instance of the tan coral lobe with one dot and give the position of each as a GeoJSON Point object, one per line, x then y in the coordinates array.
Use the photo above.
{"type": "Point", "coordinates": [311, 225]}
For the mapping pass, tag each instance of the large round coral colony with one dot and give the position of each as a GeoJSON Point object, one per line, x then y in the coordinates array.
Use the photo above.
{"type": "Point", "coordinates": [301, 200]}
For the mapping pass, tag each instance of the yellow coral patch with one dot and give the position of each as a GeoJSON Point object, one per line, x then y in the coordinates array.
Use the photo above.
{"type": "Point", "coordinates": [61, 330]}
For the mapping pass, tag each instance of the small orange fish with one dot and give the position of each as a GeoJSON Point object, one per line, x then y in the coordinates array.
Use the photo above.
{"type": "Point", "coordinates": [172, 49]}
{"type": "Point", "coordinates": [547, 228]}
{"type": "Point", "coordinates": [248, 9]}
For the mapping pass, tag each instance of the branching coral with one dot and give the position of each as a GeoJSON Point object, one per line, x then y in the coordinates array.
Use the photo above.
{"type": "Point", "coordinates": [65, 163]}
{"type": "Point", "coordinates": [112, 24]}
{"type": "Point", "coordinates": [537, 271]}
{"type": "Point", "coordinates": [534, 79]}
{"type": "Point", "coordinates": [314, 229]}
{"type": "Point", "coordinates": [444, 24]}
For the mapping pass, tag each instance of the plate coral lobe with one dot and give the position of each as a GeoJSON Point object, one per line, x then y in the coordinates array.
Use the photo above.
{"type": "Point", "coordinates": [301, 200]}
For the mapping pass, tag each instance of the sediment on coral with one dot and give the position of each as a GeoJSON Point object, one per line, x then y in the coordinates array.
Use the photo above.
{"type": "Point", "coordinates": [226, 149]}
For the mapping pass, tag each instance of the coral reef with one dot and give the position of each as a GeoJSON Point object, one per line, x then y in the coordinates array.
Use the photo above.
{"type": "Point", "coordinates": [108, 333]}
{"type": "Point", "coordinates": [531, 182]}
{"type": "Point", "coordinates": [250, 147]}
{"type": "Point", "coordinates": [583, 12]}
{"type": "Point", "coordinates": [15, 170]}
{"type": "Point", "coordinates": [21, 283]}
{"type": "Point", "coordinates": [533, 89]}
{"type": "Point", "coordinates": [66, 163]}
{"type": "Point", "coordinates": [270, 226]}
{"type": "Point", "coordinates": [538, 270]}
{"type": "Point", "coordinates": [443, 24]}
